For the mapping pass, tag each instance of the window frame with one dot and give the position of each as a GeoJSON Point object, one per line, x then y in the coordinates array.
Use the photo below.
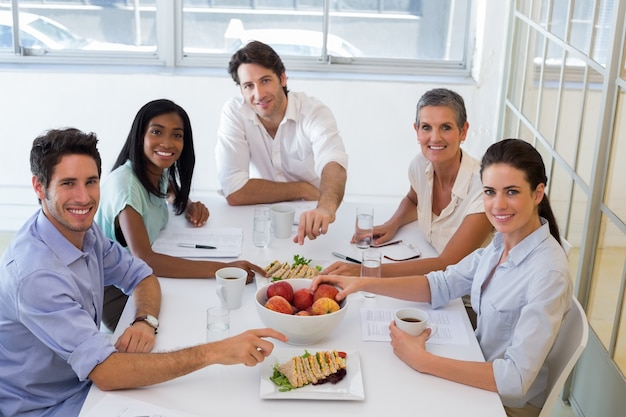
{"type": "Point", "coordinates": [169, 53]}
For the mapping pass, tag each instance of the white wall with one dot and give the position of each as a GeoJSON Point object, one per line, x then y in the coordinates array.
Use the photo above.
{"type": "Point", "coordinates": [375, 117]}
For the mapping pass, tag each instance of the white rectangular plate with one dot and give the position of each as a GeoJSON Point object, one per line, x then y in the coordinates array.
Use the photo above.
{"type": "Point", "coordinates": [349, 388]}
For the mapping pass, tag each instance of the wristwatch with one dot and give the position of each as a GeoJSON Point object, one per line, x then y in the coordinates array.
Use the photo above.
{"type": "Point", "coordinates": [151, 320]}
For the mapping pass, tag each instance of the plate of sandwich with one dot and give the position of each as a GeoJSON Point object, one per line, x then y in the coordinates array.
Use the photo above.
{"type": "Point", "coordinates": [289, 374]}
{"type": "Point", "coordinates": [299, 267]}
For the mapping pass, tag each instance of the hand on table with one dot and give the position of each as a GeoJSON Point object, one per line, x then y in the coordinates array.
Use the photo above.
{"type": "Point", "coordinates": [313, 223]}
{"type": "Point", "coordinates": [343, 268]}
{"type": "Point", "coordinates": [138, 338]}
{"type": "Point", "coordinates": [197, 213]}
{"type": "Point", "coordinates": [409, 349]}
{"type": "Point", "coordinates": [248, 348]}
{"type": "Point", "coordinates": [383, 233]}
{"type": "Point", "coordinates": [250, 268]}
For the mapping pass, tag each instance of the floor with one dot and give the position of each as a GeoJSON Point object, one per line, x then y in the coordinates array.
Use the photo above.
{"type": "Point", "coordinates": [560, 410]}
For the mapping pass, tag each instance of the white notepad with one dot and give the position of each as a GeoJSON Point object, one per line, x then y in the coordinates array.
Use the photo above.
{"type": "Point", "coordinates": [227, 243]}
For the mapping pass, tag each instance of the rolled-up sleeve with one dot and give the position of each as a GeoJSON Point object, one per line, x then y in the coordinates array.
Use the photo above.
{"type": "Point", "coordinates": [454, 282]}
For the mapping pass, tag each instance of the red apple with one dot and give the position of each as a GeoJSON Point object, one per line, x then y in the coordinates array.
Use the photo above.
{"type": "Point", "coordinates": [302, 313]}
{"type": "Point", "coordinates": [279, 304]}
{"type": "Point", "coordinates": [282, 288]}
{"type": "Point", "coordinates": [324, 305]}
{"type": "Point", "coordinates": [325, 290]}
{"type": "Point", "coordinates": [302, 299]}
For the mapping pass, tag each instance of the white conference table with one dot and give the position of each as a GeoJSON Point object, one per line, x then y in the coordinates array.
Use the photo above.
{"type": "Point", "coordinates": [389, 385]}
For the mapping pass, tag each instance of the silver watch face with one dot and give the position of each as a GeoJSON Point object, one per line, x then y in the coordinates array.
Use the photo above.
{"type": "Point", "coordinates": [152, 321]}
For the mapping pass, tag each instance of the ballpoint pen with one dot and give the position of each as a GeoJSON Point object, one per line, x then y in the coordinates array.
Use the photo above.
{"type": "Point", "coordinates": [195, 246]}
{"type": "Point", "coordinates": [347, 258]}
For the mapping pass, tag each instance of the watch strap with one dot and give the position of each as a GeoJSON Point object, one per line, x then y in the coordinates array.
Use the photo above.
{"type": "Point", "coordinates": [144, 318]}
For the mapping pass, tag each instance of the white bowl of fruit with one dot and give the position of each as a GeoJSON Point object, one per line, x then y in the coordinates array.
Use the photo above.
{"type": "Point", "coordinates": [304, 317]}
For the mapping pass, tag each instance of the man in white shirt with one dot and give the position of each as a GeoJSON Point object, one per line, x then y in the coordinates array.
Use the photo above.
{"type": "Point", "coordinates": [289, 140]}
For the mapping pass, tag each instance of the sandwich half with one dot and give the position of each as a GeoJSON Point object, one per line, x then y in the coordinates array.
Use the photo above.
{"type": "Point", "coordinates": [310, 368]}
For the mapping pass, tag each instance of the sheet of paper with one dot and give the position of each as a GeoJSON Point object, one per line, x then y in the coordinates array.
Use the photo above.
{"type": "Point", "coordinates": [400, 251]}
{"type": "Point", "coordinates": [228, 242]}
{"type": "Point", "coordinates": [450, 328]}
{"type": "Point", "coordinates": [117, 406]}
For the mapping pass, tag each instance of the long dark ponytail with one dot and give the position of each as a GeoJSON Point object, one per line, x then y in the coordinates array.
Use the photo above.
{"type": "Point", "coordinates": [522, 156]}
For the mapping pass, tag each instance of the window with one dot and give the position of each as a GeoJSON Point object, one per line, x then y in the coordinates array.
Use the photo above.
{"type": "Point", "coordinates": [564, 105]}
{"type": "Point", "coordinates": [393, 36]}
{"type": "Point", "coordinates": [585, 26]}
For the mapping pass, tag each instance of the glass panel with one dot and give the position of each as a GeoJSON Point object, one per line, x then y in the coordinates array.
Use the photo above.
{"type": "Point", "coordinates": [589, 130]}
{"type": "Point", "coordinates": [526, 133]}
{"type": "Point", "coordinates": [530, 99]}
{"type": "Point", "coordinates": [569, 120]}
{"type": "Point", "coordinates": [523, 6]}
{"type": "Point", "coordinates": [379, 33]}
{"type": "Point", "coordinates": [558, 22]}
{"type": "Point", "coordinates": [537, 11]}
{"type": "Point", "coordinates": [511, 122]}
{"type": "Point", "coordinates": [549, 104]}
{"type": "Point", "coordinates": [602, 31]}
{"type": "Point", "coordinates": [219, 29]}
{"type": "Point", "coordinates": [582, 25]}
{"type": "Point", "coordinates": [72, 26]}
{"type": "Point", "coordinates": [6, 29]}
{"type": "Point", "coordinates": [623, 72]}
{"type": "Point", "coordinates": [620, 346]}
{"type": "Point", "coordinates": [614, 197]}
{"type": "Point", "coordinates": [402, 29]}
{"type": "Point", "coordinates": [516, 80]}
{"type": "Point", "coordinates": [608, 269]}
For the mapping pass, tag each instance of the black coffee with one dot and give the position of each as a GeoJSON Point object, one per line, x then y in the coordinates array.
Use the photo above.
{"type": "Point", "coordinates": [410, 320]}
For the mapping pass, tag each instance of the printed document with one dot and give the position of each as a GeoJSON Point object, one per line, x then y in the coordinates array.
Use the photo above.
{"type": "Point", "coordinates": [450, 327]}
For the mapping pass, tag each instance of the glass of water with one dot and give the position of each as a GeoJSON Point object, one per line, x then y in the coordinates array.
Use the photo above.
{"type": "Point", "coordinates": [370, 266]}
{"type": "Point", "coordinates": [364, 227]}
{"type": "Point", "coordinates": [261, 231]}
{"type": "Point", "coordinates": [217, 323]}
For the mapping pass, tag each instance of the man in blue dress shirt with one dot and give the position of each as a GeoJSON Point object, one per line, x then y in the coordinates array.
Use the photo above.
{"type": "Point", "coordinates": [52, 278]}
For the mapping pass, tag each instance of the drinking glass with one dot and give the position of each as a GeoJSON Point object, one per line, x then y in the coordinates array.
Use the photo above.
{"type": "Point", "coordinates": [261, 232]}
{"type": "Point", "coordinates": [364, 227]}
{"type": "Point", "coordinates": [217, 323]}
{"type": "Point", "coordinates": [370, 266]}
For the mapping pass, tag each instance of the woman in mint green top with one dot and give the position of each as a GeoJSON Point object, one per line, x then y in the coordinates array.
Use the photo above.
{"type": "Point", "coordinates": [154, 166]}
{"type": "Point", "coordinates": [122, 188]}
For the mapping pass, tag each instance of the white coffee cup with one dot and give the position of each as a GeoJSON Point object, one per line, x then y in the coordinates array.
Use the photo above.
{"type": "Point", "coordinates": [231, 282]}
{"type": "Point", "coordinates": [282, 219]}
{"type": "Point", "coordinates": [414, 321]}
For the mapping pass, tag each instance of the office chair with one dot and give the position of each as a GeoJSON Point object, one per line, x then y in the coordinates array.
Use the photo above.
{"type": "Point", "coordinates": [568, 346]}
